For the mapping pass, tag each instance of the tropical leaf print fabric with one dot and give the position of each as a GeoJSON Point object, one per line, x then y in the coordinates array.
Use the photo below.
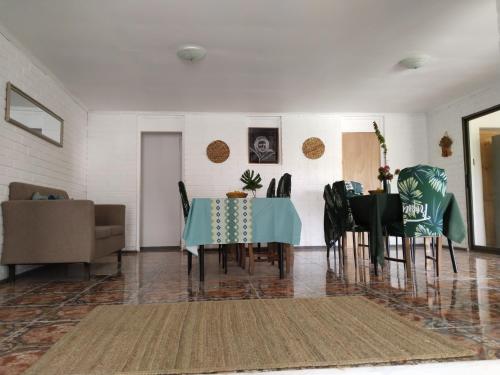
{"type": "Point", "coordinates": [422, 190]}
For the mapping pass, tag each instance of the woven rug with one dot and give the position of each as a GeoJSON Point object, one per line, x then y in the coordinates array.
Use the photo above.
{"type": "Point", "coordinates": [202, 337]}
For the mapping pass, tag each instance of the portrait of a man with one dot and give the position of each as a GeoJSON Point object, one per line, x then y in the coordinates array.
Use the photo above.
{"type": "Point", "coordinates": [263, 144]}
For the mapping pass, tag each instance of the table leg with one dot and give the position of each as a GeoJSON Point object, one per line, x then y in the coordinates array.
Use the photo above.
{"type": "Point", "coordinates": [201, 262]}
{"type": "Point", "coordinates": [280, 255]}
{"type": "Point", "coordinates": [190, 261]}
{"type": "Point", "coordinates": [452, 255]}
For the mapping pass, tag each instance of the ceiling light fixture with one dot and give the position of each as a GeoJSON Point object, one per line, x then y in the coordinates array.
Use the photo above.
{"type": "Point", "coordinates": [414, 62]}
{"type": "Point", "coordinates": [191, 52]}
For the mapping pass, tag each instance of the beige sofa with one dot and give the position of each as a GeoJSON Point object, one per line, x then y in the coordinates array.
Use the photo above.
{"type": "Point", "coordinates": [58, 231]}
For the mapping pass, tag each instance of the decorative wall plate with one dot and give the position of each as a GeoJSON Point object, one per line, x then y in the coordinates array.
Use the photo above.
{"type": "Point", "coordinates": [218, 151]}
{"type": "Point", "coordinates": [313, 148]}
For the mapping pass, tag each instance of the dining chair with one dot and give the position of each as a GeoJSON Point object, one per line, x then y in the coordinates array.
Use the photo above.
{"type": "Point", "coordinates": [422, 190]}
{"type": "Point", "coordinates": [185, 210]}
{"type": "Point", "coordinates": [270, 253]}
{"type": "Point", "coordinates": [332, 223]}
{"type": "Point", "coordinates": [342, 191]}
{"type": "Point", "coordinates": [284, 189]}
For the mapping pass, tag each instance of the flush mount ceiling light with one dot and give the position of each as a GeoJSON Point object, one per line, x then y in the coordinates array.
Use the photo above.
{"type": "Point", "coordinates": [191, 52]}
{"type": "Point", "coordinates": [414, 62]}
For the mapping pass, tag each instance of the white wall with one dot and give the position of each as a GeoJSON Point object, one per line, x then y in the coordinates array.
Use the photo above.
{"type": "Point", "coordinates": [448, 118]}
{"type": "Point", "coordinates": [27, 158]}
{"type": "Point", "coordinates": [113, 163]}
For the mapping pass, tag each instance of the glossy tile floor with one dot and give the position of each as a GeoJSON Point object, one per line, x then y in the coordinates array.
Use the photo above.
{"type": "Point", "coordinates": [41, 307]}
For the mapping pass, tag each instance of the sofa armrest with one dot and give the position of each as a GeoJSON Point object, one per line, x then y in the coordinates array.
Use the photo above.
{"type": "Point", "coordinates": [61, 231]}
{"type": "Point", "coordinates": [110, 214]}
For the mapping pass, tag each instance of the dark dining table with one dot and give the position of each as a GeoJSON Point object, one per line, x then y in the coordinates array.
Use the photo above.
{"type": "Point", "coordinates": [378, 211]}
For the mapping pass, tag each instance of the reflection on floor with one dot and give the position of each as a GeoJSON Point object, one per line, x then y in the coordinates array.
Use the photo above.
{"type": "Point", "coordinates": [40, 307]}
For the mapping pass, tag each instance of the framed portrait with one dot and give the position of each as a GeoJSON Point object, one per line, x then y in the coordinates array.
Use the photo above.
{"type": "Point", "coordinates": [263, 145]}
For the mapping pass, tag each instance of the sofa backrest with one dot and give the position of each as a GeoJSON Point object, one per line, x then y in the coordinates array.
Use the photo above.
{"type": "Point", "coordinates": [21, 191]}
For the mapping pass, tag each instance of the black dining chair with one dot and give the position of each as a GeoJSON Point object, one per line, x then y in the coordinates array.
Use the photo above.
{"type": "Point", "coordinates": [284, 189]}
{"type": "Point", "coordinates": [271, 189]}
{"type": "Point", "coordinates": [185, 210]}
{"type": "Point", "coordinates": [342, 191]}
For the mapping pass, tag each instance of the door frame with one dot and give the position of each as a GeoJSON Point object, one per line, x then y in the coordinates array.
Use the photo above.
{"type": "Point", "coordinates": [156, 124]}
{"type": "Point", "coordinates": [468, 179]}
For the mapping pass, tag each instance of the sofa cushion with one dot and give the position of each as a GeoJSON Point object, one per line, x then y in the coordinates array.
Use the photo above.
{"type": "Point", "coordinates": [116, 230]}
{"type": "Point", "coordinates": [22, 191]}
{"type": "Point", "coordinates": [102, 232]}
{"type": "Point", "coordinates": [51, 197]}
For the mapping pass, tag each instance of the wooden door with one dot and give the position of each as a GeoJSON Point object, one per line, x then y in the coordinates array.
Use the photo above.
{"type": "Point", "coordinates": [361, 159]}
{"type": "Point", "coordinates": [487, 169]}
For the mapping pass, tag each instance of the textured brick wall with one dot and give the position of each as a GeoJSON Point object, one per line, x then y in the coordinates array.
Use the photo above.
{"type": "Point", "coordinates": [24, 157]}
{"type": "Point", "coordinates": [449, 118]}
{"type": "Point", "coordinates": [113, 146]}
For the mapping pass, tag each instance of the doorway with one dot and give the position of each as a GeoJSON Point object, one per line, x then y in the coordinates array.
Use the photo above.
{"type": "Point", "coordinates": [361, 159]}
{"type": "Point", "coordinates": [482, 160]}
{"type": "Point", "coordinates": [160, 205]}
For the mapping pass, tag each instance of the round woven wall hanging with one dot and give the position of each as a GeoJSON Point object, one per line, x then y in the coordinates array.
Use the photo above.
{"type": "Point", "coordinates": [313, 148]}
{"type": "Point", "coordinates": [218, 151]}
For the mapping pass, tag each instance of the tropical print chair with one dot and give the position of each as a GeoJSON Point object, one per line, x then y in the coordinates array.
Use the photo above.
{"type": "Point", "coordinates": [422, 189]}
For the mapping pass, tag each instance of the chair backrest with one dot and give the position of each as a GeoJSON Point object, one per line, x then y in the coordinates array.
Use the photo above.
{"type": "Point", "coordinates": [422, 189]}
{"type": "Point", "coordinates": [184, 199]}
{"type": "Point", "coordinates": [284, 186]}
{"type": "Point", "coordinates": [353, 188]}
{"type": "Point", "coordinates": [332, 221]}
{"type": "Point", "coordinates": [342, 196]}
{"type": "Point", "coordinates": [271, 190]}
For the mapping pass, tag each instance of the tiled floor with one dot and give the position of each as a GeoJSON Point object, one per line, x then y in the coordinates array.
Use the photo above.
{"type": "Point", "coordinates": [41, 307]}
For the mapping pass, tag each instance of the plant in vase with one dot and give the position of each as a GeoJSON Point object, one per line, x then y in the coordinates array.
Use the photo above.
{"type": "Point", "coordinates": [252, 182]}
{"type": "Point", "coordinates": [385, 176]}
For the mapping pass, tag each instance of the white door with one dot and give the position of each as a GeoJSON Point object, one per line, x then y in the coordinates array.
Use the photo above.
{"type": "Point", "coordinates": [160, 200]}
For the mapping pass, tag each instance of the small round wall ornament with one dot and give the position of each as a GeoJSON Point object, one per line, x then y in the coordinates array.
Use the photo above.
{"type": "Point", "coordinates": [218, 151]}
{"type": "Point", "coordinates": [313, 148]}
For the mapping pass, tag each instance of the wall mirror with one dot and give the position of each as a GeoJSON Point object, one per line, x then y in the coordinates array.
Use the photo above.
{"type": "Point", "coordinates": [32, 116]}
{"type": "Point", "coordinates": [482, 161]}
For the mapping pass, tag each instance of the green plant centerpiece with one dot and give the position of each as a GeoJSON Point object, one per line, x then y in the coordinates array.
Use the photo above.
{"type": "Point", "coordinates": [251, 180]}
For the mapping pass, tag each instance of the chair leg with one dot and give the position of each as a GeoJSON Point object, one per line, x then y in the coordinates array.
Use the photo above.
{"type": "Point", "coordinates": [86, 267]}
{"type": "Point", "coordinates": [12, 273]}
{"type": "Point", "coordinates": [328, 252]}
{"type": "Point", "coordinates": [452, 256]}
{"type": "Point", "coordinates": [251, 259]}
{"type": "Point", "coordinates": [354, 249]}
{"type": "Point", "coordinates": [190, 262]}
{"type": "Point", "coordinates": [220, 253]}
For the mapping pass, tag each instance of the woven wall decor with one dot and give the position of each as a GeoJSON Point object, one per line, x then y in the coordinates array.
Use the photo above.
{"type": "Point", "coordinates": [218, 151]}
{"type": "Point", "coordinates": [313, 148]}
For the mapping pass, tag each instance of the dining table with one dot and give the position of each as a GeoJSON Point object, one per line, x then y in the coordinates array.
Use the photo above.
{"type": "Point", "coordinates": [378, 211]}
{"type": "Point", "coordinates": [224, 221]}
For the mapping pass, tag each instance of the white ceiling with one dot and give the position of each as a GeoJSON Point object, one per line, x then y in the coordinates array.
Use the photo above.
{"type": "Point", "coordinates": [263, 55]}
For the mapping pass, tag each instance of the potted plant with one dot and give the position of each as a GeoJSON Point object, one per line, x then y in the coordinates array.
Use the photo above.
{"type": "Point", "coordinates": [252, 182]}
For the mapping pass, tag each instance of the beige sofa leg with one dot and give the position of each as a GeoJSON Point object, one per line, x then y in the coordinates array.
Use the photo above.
{"type": "Point", "coordinates": [119, 259]}
{"type": "Point", "coordinates": [12, 273]}
{"type": "Point", "coordinates": [87, 270]}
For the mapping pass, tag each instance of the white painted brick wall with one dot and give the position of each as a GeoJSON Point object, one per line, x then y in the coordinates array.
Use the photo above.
{"type": "Point", "coordinates": [448, 118]}
{"type": "Point", "coordinates": [26, 158]}
{"type": "Point", "coordinates": [113, 164]}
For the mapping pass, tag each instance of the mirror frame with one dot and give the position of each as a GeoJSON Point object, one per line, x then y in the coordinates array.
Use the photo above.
{"type": "Point", "coordinates": [468, 180]}
{"type": "Point", "coordinates": [11, 88]}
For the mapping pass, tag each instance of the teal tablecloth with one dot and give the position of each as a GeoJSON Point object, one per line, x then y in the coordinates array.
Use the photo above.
{"type": "Point", "coordinates": [224, 221]}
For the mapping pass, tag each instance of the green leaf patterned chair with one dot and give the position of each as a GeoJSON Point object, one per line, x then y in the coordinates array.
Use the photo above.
{"type": "Point", "coordinates": [422, 190]}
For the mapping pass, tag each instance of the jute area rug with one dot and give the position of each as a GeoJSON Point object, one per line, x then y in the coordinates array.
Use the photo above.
{"type": "Point", "coordinates": [203, 337]}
